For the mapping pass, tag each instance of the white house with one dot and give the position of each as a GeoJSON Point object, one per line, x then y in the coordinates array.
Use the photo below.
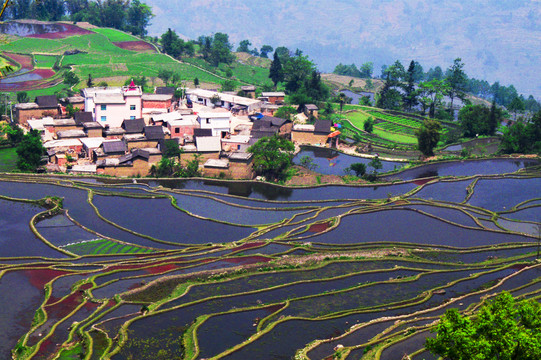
{"type": "Point", "coordinates": [218, 120]}
{"type": "Point", "coordinates": [227, 101]}
{"type": "Point", "coordinates": [111, 106]}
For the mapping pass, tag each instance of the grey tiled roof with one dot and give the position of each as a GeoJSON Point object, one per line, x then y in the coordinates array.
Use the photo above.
{"type": "Point", "coordinates": [116, 146]}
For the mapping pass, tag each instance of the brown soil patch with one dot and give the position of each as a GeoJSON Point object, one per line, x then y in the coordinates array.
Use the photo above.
{"type": "Point", "coordinates": [140, 46]}
{"type": "Point", "coordinates": [24, 60]}
{"type": "Point", "coordinates": [69, 30]}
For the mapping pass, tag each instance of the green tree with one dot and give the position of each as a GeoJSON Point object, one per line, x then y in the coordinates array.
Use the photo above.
{"type": "Point", "coordinates": [220, 51]}
{"type": "Point", "coordinates": [244, 46]}
{"type": "Point", "coordinates": [432, 93]}
{"type": "Point", "coordinates": [70, 78]}
{"type": "Point", "coordinates": [457, 80]}
{"type": "Point", "coordinates": [171, 149]}
{"type": "Point", "coordinates": [365, 101]}
{"type": "Point", "coordinates": [272, 156]}
{"type": "Point", "coordinates": [71, 110]}
{"type": "Point", "coordinates": [358, 168]}
{"type": "Point", "coordinates": [165, 75]}
{"type": "Point", "coordinates": [347, 70]}
{"type": "Point", "coordinates": [503, 329]}
{"type": "Point", "coordinates": [307, 162]}
{"type": "Point", "coordinates": [368, 125]}
{"type": "Point", "coordinates": [285, 112]}
{"type": "Point", "coordinates": [366, 70]}
{"type": "Point", "coordinates": [410, 93]}
{"type": "Point", "coordinates": [228, 85]}
{"type": "Point", "coordinates": [479, 120]}
{"type": "Point", "coordinates": [341, 100]}
{"type": "Point", "coordinates": [113, 13]}
{"type": "Point", "coordinates": [139, 16]}
{"type": "Point", "coordinates": [376, 164]}
{"type": "Point", "coordinates": [172, 44]}
{"type": "Point", "coordinates": [516, 105]}
{"type": "Point", "coordinates": [296, 71]}
{"type": "Point", "coordinates": [22, 97]}
{"type": "Point", "coordinates": [196, 81]}
{"type": "Point", "coordinates": [89, 81]}
{"type": "Point", "coordinates": [523, 138]}
{"type": "Point", "coordinates": [30, 150]}
{"type": "Point", "coordinates": [428, 136]}
{"type": "Point", "coordinates": [14, 133]}
{"type": "Point", "coordinates": [167, 167]}
{"type": "Point", "coordinates": [276, 73]}
{"type": "Point", "coordinates": [265, 50]}
{"type": "Point", "coordinates": [192, 168]}
{"type": "Point", "coordinates": [434, 74]}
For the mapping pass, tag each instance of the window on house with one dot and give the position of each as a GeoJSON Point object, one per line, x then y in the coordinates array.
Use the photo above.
{"type": "Point", "coordinates": [104, 118]}
{"type": "Point", "coordinates": [208, 121]}
{"type": "Point", "coordinates": [132, 117]}
{"type": "Point", "coordinates": [132, 107]}
{"type": "Point", "coordinates": [177, 130]}
{"type": "Point", "coordinates": [238, 147]}
{"type": "Point", "coordinates": [104, 107]}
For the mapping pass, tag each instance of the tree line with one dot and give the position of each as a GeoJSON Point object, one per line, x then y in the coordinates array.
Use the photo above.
{"type": "Point", "coordinates": [128, 15]}
{"type": "Point", "coordinates": [500, 94]}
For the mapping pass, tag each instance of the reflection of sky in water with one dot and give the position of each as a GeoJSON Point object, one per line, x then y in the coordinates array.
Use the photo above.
{"type": "Point", "coordinates": [331, 162]}
{"type": "Point", "coordinates": [21, 78]}
{"type": "Point", "coordinates": [464, 168]}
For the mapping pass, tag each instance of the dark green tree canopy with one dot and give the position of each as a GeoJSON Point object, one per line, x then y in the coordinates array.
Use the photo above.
{"type": "Point", "coordinates": [30, 150]}
{"type": "Point", "coordinates": [503, 329]}
{"type": "Point", "coordinates": [276, 73]}
{"type": "Point", "coordinates": [479, 120]}
{"type": "Point", "coordinates": [428, 136]}
{"type": "Point", "coordinates": [272, 156]}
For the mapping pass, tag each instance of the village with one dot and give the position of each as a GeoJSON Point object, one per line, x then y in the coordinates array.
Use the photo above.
{"type": "Point", "coordinates": [121, 131]}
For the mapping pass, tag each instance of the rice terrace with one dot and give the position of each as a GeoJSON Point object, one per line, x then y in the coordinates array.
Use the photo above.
{"type": "Point", "coordinates": [173, 196]}
{"type": "Point", "coordinates": [159, 268]}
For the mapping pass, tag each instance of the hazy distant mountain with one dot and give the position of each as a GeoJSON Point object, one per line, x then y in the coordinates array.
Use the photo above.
{"type": "Point", "coordinates": [497, 40]}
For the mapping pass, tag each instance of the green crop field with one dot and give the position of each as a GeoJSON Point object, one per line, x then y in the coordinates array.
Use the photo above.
{"type": "Point", "coordinates": [115, 35]}
{"type": "Point", "coordinates": [8, 159]}
{"type": "Point", "coordinates": [44, 61]}
{"type": "Point", "coordinates": [99, 57]}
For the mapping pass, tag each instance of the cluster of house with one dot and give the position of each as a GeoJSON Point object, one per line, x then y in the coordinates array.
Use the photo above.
{"type": "Point", "coordinates": [122, 132]}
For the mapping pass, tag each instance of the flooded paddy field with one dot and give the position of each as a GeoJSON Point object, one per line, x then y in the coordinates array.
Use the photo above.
{"type": "Point", "coordinates": [193, 269]}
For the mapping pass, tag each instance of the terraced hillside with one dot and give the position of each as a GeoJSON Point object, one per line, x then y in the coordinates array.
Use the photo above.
{"type": "Point", "coordinates": [108, 55]}
{"type": "Point", "coordinates": [195, 269]}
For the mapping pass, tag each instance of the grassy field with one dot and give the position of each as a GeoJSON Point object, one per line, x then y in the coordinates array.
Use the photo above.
{"type": "Point", "coordinates": [44, 61]}
{"type": "Point", "coordinates": [115, 35]}
{"type": "Point", "coordinates": [358, 119]}
{"type": "Point", "coordinates": [103, 60]}
{"type": "Point", "coordinates": [8, 159]}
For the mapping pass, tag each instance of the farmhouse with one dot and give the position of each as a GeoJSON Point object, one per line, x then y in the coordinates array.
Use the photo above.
{"type": "Point", "coordinates": [276, 98]}
{"type": "Point", "coordinates": [110, 106]}
{"type": "Point", "coordinates": [157, 103]}
{"type": "Point", "coordinates": [218, 120]}
{"type": "Point", "coordinates": [136, 163]}
{"type": "Point", "coordinates": [316, 134]}
{"type": "Point", "coordinates": [227, 101]}
{"type": "Point", "coordinates": [43, 106]}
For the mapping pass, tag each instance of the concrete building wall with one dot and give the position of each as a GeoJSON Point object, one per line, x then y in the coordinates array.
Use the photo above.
{"type": "Point", "coordinates": [140, 167]}
{"type": "Point", "coordinates": [94, 133]}
{"type": "Point", "coordinates": [185, 157]}
{"type": "Point", "coordinates": [152, 104]}
{"type": "Point", "coordinates": [182, 130]}
{"type": "Point", "coordinates": [22, 115]}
